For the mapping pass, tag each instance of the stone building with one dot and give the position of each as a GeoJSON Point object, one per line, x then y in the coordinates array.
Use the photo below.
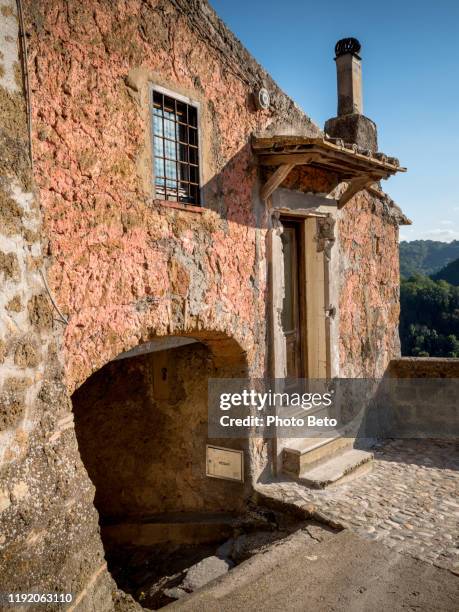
{"type": "Point", "coordinates": [167, 215]}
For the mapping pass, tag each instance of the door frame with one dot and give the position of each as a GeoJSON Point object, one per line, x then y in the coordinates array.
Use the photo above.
{"type": "Point", "coordinates": [306, 220]}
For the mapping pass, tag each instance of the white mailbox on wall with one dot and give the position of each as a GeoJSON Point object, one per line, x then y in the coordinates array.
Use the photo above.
{"type": "Point", "coordinates": [225, 463]}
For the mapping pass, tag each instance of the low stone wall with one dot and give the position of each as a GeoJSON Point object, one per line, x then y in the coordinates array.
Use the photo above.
{"type": "Point", "coordinates": [423, 367]}
{"type": "Point", "coordinates": [417, 399]}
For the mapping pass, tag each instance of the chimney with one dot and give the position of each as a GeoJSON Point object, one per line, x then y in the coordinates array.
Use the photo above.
{"type": "Point", "coordinates": [350, 125]}
{"type": "Point", "coordinates": [349, 76]}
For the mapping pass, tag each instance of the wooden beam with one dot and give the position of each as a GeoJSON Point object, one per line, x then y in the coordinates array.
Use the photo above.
{"type": "Point", "coordinates": [275, 180]}
{"type": "Point", "coordinates": [325, 164]}
{"type": "Point", "coordinates": [285, 158]}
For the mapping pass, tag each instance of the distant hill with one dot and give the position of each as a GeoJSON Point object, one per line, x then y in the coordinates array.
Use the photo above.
{"type": "Point", "coordinates": [449, 273]}
{"type": "Point", "coordinates": [426, 256]}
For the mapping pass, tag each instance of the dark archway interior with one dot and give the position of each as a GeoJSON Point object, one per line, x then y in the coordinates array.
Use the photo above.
{"type": "Point", "coordinates": [141, 425]}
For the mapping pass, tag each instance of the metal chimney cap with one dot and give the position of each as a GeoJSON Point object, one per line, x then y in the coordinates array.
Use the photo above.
{"type": "Point", "coordinates": [347, 45]}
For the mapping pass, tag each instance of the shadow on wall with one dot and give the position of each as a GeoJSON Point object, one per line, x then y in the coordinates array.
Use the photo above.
{"type": "Point", "coordinates": [234, 192]}
{"type": "Point", "coordinates": [168, 269]}
{"type": "Point", "coordinates": [414, 411]}
{"type": "Point", "coordinates": [172, 269]}
{"type": "Point", "coordinates": [141, 425]}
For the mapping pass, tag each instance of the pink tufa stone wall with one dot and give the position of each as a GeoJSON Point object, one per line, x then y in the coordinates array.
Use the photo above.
{"type": "Point", "coordinates": [369, 296]}
{"type": "Point", "coordinates": [124, 268]}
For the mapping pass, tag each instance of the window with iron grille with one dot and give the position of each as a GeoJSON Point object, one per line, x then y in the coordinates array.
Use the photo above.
{"type": "Point", "coordinates": [175, 149]}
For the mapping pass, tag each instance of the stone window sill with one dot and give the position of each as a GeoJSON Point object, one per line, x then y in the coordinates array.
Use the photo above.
{"type": "Point", "coordinates": [180, 206]}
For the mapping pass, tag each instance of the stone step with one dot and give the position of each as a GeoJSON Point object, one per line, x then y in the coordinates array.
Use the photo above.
{"type": "Point", "coordinates": [299, 412]}
{"type": "Point", "coordinates": [307, 453]}
{"type": "Point", "coordinates": [338, 469]}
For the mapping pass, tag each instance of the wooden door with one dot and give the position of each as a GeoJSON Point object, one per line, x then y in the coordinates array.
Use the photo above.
{"type": "Point", "coordinates": [291, 309]}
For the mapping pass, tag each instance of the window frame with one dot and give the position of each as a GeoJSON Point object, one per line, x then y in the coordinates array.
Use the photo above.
{"type": "Point", "coordinates": [195, 104]}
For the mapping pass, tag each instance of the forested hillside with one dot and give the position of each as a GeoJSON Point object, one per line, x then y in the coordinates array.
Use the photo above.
{"type": "Point", "coordinates": [426, 256]}
{"type": "Point", "coordinates": [449, 273]}
{"type": "Point", "coordinates": [429, 317]}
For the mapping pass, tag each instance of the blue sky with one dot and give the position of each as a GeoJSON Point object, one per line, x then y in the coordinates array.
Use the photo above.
{"type": "Point", "coordinates": [410, 52]}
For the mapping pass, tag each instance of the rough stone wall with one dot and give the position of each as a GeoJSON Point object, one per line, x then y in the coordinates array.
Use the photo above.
{"type": "Point", "coordinates": [369, 278]}
{"type": "Point", "coordinates": [310, 180]}
{"type": "Point", "coordinates": [48, 526]}
{"type": "Point", "coordinates": [125, 268]}
{"type": "Point", "coordinates": [121, 266]}
{"type": "Point", "coordinates": [420, 398]}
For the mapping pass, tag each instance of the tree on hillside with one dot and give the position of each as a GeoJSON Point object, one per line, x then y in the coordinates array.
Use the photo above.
{"type": "Point", "coordinates": [429, 318]}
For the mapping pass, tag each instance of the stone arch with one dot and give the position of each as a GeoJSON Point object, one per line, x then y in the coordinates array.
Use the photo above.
{"type": "Point", "coordinates": [142, 437]}
{"type": "Point", "coordinates": [90, 343]}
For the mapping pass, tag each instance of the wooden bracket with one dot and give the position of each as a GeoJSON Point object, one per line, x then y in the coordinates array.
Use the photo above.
{"type": "Point", "coordinates": [354, 186]}
{"type": "Point", "coordinates": [275, 180]}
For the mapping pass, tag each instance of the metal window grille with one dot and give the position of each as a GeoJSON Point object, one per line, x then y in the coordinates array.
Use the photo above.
{"type": "Point", "coordinates": [175, 149]}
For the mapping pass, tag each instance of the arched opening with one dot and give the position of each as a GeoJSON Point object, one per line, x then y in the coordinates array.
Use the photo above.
{"type": "Point", "coordinates": [141, 425]}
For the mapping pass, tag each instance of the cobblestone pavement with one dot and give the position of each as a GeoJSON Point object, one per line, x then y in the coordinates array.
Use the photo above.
{"type": "Point", "coordinates": [409, 501]}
